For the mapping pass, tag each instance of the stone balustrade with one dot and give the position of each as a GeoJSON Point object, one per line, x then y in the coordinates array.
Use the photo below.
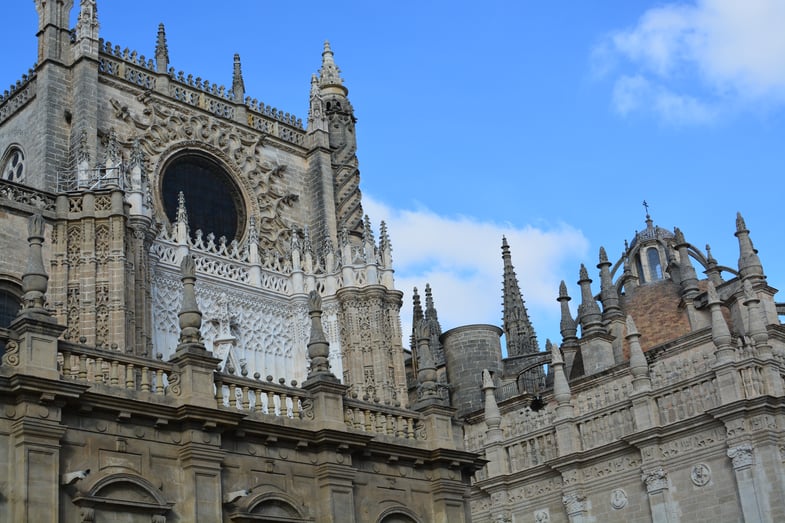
{"type": "Point", "coordinates": [263, 397]}
{"type": "Point", "coordinates": [384, 420]}
{"type": "Point", "coordinates": [115, 369]}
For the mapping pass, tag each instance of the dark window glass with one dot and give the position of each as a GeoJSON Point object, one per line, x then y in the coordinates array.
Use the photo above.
{"type": "Point", "coordinates": [212, 200]}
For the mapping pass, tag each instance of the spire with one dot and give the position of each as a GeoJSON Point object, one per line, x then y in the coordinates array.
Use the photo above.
{"type": "Point", "coordinates": [181, 220]}
{"type": "Point", "coordinates": [608, 293]}
{"type": "Point", "coordinates": [385, 246]}
{"type": "Point", "coordinates": [712, 268]}
{"type": "Point", "coordinates": [689, 279]}
{"type": "Point", "coordinates": [318, 347]}
{"type": "Point", "coordinates": [720, 334]}
{"type": "Point", "coordinates": [190, 317]}
{"type": "Point", "coordinates": [588, 311]}
{"type": "Point", "coordinates": [435, 329]}
{"type": "Point", "coordinates": [638, 366]}
{"type": "Point", "coordinates": [749, 263]}
{"type": "Point", "coordinates": [427, 389]}
{"type": "Point", "coordinates": [161, 51]}
{"type": "Point", "coordinates": [520, 335]}
{"type": "Point", "coordinates": [417, 316]}
{"type": "Point", "coordinates": [87, 29]}
{"type": "Point", "coordinates": [330, 74]}
{"type": "Point", "coordinates": [238, 86]}
{"type": "Point", "coordinates": [567, 325]}
{"type": "Point", "coordinates": [35, 280]}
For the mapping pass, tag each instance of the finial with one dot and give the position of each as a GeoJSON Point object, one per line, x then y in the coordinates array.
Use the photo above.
{"type": "Point", "coordinates": [330, 74]}
{"type": "Point", "coordinates": [318, 347]}
{"type": "Point", "coordinates": [561, 389]}
{"type": "Point", "coordinates": [649, 222]}
{"type": "Point", "coordinates": [563, 291]}
{"type": "Point", "coordinates": [35, 280]}
{"type": "Point", "coordinates": [638, 365]}
{"type": "Point", "coordinates": [161, 51]}
{"type": "Point", "coordinates": [238, 86]}
{"type": "Point", "coordinates": [182, 214]}
{"type": "Point", "coordinates": [749, 262]}
{"type": "Point", "coordinates": [678, 236]}
{"type": "Point", "coordinates": [190, 317]}
{"type": "Point", "coordinates": [583, 274]}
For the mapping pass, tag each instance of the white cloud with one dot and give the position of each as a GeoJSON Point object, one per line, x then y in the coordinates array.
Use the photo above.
{"type": "Point", "coordinates": [461, 258]}
{"type": "Point", "coordinates": [636, 93]}
{"type": "Point", "coordinates": [689, 63]}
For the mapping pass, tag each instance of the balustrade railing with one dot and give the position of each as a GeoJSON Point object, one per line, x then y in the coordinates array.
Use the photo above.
{"type": "Point", "coordinates": [115, 369]}
{"type": "Point", "coordinates": [264, 397]}
{"type": "Point", "coordinates": [378, 419]}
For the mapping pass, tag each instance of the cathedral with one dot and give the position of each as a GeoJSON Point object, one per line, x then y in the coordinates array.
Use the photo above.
{"type": "Point", "coordinates": [198, 322]}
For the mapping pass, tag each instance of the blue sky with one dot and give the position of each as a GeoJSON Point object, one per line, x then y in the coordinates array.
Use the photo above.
{"type": "Point", "coordinates": [547, 122]}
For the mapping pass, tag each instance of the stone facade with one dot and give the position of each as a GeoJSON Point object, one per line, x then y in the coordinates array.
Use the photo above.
{"type": "Point", "coordinates": [199, 323]}
{"type": "Point", "coordinates": [673, 406]}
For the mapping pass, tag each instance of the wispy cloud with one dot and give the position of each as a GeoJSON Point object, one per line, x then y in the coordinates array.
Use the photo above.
{"type": "Point", "coordinates": [688, 64]}
{"type": "Point", "coordinates": [460, 256]}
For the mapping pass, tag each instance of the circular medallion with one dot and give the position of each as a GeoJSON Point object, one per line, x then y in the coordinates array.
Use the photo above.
{"type": "Point", "coordinates": [618, 499]}
{"type": "Point", "coordinates": [700, 475]}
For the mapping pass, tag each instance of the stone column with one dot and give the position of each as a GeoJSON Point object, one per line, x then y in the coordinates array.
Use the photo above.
{"type": "Point", "coordinates": [576, 506]}
{"type": "Point", "coordinates": [752, 506]}
{"type": "Point", "coordinates": [660, 499]}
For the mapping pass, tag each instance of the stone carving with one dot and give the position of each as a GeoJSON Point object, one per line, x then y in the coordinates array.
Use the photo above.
{"type": "Point", "coordinates": [655, 479]}
{"type": "Point", "coordinates": [542, 516]}
{"type": "Point", "coordinates": [618, 499]}
{"type": "Point", "coordinates": [162, 126]}
{"type": "Point", "coordinates": [574, 502]}
{"type": "Point", "coordinates": [700, 475]}
{"type": "Point", "coordinates": [741, 455]}
{"type": "Point", "coordinates": [11, 355]}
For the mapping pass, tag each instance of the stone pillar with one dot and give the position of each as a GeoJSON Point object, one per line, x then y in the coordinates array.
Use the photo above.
{"type": "Point", "coordinates": [660, 500]}
{"type": "Point", "coordinates": [753, 507]}
{"type": "Point", "coordinates": [35, 464]}
{"type": "Point", "coordinates": [336, 489]}
{"type": "Point", "coordinates": [200, 493]}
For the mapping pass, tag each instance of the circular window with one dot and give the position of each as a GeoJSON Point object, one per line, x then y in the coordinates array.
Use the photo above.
{"type": "Point", "coordinates": [213, 201]}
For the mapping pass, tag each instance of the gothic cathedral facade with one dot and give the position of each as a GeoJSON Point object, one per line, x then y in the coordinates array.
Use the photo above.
{"type": "Point", "coordinates": [199, 323]}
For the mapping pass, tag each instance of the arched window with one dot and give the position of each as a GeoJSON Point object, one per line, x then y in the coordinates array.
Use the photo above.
{"type": "Point", "coordinates": [655, 268]}
{"type": "Point", "coordinates": [14, 165]}
{"type": "Point", "coordinates": [639, 267]}
{"type": "Point", "coordinates": [213, 200]}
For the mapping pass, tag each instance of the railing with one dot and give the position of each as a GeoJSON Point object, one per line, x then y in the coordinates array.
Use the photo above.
{"type": "Point", "coordinates": [264, 397]}
{"type": "Point", "coordinates": [377, 419]}
{"type": "Point", "coordinates": [115, 369]}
